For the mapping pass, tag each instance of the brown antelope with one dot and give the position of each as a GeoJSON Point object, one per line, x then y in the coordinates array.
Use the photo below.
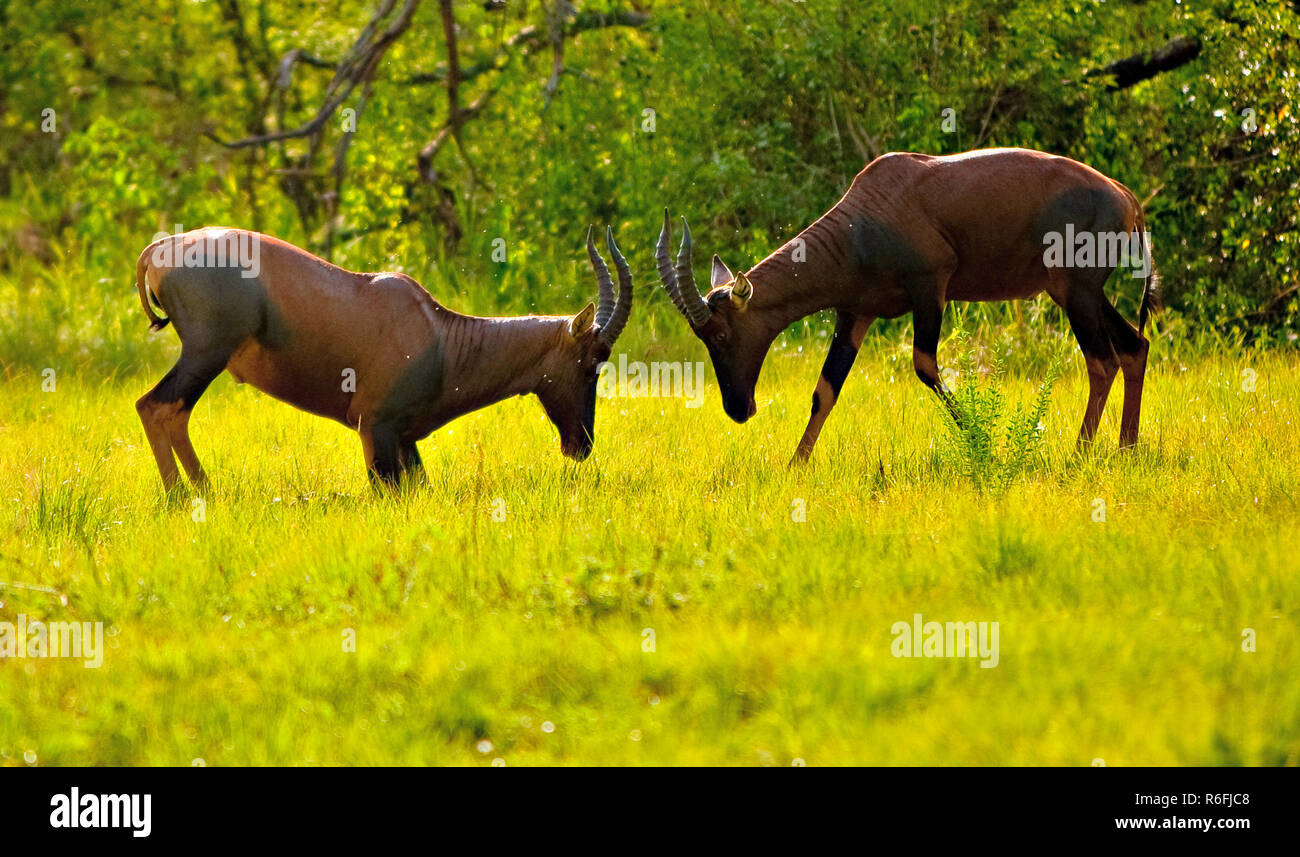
{"type": "Point", "coordinates": [912, 233]}
{"type": "Point", "coordinates": [372, 351]}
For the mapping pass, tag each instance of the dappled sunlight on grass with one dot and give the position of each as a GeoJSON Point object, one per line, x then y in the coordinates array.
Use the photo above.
{"type": "Point", "coordinates": [680, 597]}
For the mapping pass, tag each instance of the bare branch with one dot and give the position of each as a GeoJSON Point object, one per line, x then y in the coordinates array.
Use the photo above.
{"type": "Point", "coordinates": [355, 68]}
{"type": "Point", "coordinates": [556, 15]}
{"type": "Point", "coordinates": [1134, 69]}
{"type": "Point", "coordinates": [530, 38]}
{"type": "Point", "coordinates": [431, 149]}
{"type": "Point", "coordinates": [284, 70]}
{"type": "Point", "coordinates": [453, 65]}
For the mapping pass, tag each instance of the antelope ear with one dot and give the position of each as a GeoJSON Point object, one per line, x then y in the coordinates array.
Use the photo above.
{"type": "Point", "coordinates": [741, 291]}
{"type": "Point", "coordinates": [582, 322]}
{"type": "Point", "coordinates": [721, 273]}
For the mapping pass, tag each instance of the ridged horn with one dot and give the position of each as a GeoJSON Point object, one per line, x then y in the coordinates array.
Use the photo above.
{"type": "Point", "coordinates": [604, 285]}
{"type": "Point", "coordinates": [610, 330]}
{"type": "Point", "coordinates": [689, 303]}
{"type": "Point", "coordinates": [696, 310]}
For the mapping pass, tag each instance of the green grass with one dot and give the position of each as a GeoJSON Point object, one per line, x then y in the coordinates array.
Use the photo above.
{"type": "Point", "coordinates": [1119, 640]}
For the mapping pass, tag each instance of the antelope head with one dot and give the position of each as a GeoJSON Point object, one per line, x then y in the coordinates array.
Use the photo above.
{"type": "Point", "coordinates": [568, 389]}
{"type": "Point", "coordinates": [737, 339]}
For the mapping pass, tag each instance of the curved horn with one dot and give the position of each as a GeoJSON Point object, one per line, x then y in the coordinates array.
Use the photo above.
{"type": "Point", "coordinates": [696, 310]}
{"type": "Point", "coordinates": [692, 307]}
{"type": "Point", "coordinates": [623, 306]}
{"type": "Point", "coordinates": [604, 285]}
{"type": "Point", "coordinates": [667, 275]}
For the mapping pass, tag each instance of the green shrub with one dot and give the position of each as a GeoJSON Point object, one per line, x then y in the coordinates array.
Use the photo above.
{"type": "Point", "coordinates": [989, 441]}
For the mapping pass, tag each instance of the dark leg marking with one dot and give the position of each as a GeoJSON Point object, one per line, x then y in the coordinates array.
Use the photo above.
{"type": "Point", "coordinates": [387, 466]}
{"type": "Point", "coordinates": [409, 460]}
{"type": "Point", "coordinates": [382, 454]}
{"type": "Point", "coordinates": [165, 411]}
{"type": "Point", "coordinates": [927, 325]}
{"type": "Point", "coordinates": [849, 331]}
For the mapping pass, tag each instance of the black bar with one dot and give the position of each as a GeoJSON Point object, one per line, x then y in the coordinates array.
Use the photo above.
{"type": "Point", "coordinates": [313, 806]}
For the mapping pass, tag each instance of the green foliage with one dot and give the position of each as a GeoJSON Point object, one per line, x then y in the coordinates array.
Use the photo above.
{"type": "Point", "coordinates": [762, 113]}
{"type": "Point", "coordinates": [990, 441]}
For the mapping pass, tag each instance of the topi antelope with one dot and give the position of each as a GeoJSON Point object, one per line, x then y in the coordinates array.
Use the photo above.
{"type": "Point", "coordinates": [912, 233]}
{"type": "Point", "coordinates": [372, 351]}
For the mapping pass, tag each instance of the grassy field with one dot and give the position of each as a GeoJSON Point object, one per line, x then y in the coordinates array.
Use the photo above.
{"type": "Point", "coordinates": [660, 603]}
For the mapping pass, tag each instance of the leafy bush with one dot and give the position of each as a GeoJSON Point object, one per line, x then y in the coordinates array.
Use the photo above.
{"type": "Point", "coordinates": [988, 441]}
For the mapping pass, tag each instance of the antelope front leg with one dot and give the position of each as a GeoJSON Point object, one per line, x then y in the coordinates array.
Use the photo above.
{"type": "Point", "coordinates": [849, 331]}
{"type": "Point", "coordinates": [927, 323]}
{"type": "Point", "coordinates": [381, 447]}
{"type": "Point", "coordinates": [411, 465]}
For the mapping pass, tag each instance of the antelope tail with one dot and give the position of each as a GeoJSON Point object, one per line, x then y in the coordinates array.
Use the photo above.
{"type": "Point", "coordinates": [156, 322]}
{"type": "Point", "coordinates": [1151, 303]}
